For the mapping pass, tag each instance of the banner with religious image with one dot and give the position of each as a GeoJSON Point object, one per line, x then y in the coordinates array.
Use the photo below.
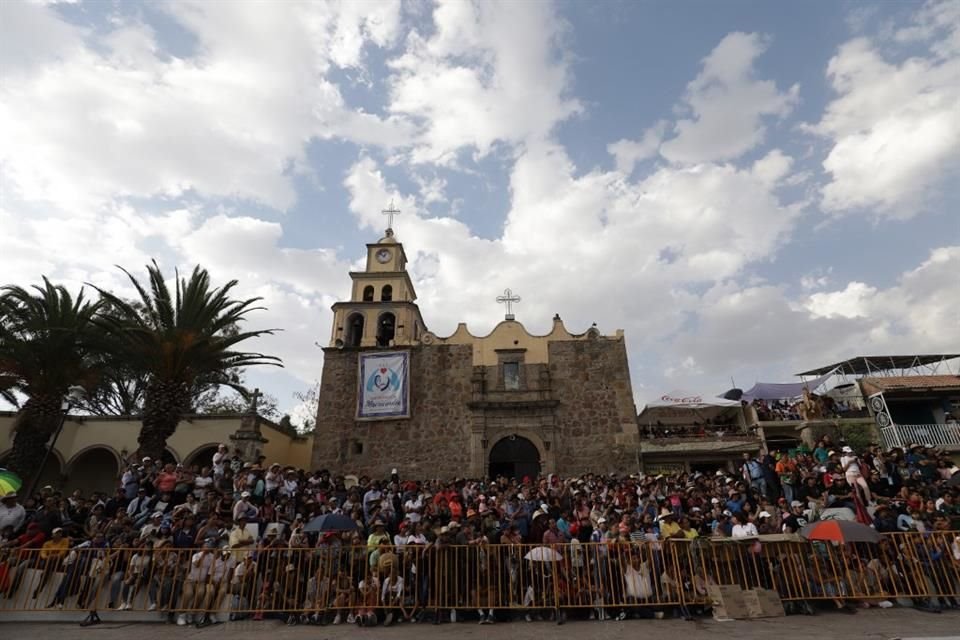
{"type": "Point", "coordinates": [384, 386]}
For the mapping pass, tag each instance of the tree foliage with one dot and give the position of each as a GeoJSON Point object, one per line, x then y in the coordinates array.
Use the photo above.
{"type": "Point", "coordinates": [182, 342]}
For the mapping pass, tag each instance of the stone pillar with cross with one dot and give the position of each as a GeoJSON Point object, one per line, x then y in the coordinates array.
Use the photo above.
{"type": "Point", "coordinates": [248, 439]}
{"type": "Point", "coordinates": [508, 299]}
{"type": "Point", "coordinates": [390, 212]}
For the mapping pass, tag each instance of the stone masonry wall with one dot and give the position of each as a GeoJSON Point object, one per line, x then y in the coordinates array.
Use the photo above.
{"type": "Point", "coordinates": [596, 416]}
{"type": "Point", "coordinates": [434, 442]}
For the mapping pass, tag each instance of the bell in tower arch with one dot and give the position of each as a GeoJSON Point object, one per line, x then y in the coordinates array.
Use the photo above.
{"type": "Point", "coordinates": [386, 328]}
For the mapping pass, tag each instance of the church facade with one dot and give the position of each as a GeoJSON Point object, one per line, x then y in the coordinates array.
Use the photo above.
{"type": "Point", "coordinates": [506, 403]}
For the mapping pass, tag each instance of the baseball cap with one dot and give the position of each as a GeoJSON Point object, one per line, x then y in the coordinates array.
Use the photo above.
{"type": "Point", "coordinates": [847, 450]}
{"type": "Point", "coordinates": [245, 494]}
{"type": "Point", "coordinates": [796, 503]}
{"type": "Point", "coordinates": [763, 514]}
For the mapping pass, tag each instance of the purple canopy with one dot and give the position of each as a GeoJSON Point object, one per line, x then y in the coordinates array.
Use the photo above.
{"type": "Point", "coordinates": [780, 391]}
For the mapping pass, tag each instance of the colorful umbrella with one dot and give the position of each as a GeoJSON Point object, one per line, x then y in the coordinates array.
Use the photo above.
{"type": "Point", "coordinates": [839, 531]}
{"type": "Point", "coordinates": [9, 482]}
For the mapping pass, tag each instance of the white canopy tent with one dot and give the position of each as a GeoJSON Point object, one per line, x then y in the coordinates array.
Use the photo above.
{"type": "Point", "coordinates": [681, 407]}
{"type": "Point", "coordinates": [679, 399]}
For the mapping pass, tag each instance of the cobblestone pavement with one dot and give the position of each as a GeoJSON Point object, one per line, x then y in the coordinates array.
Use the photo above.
{"type": "Point", "coordinates": [878, 624]}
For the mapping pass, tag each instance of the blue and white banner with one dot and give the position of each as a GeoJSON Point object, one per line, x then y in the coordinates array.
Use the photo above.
{"type": "Point", "coordinates": [384, 386]}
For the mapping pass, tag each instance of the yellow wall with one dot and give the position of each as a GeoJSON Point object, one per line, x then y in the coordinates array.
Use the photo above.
{"type": "Point", "coordinates": [119, 435]}
{"type": "Point", "coordinates": [510, 334]}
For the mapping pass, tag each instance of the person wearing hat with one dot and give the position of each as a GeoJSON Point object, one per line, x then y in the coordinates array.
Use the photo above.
{"type": "Point", "coordinates": [669, 528]}
{"type": "Point", "coordinates": [12, 514]}
{"type": "Point", "coordinates": [378, 534]}
{"type": "Point", "coordinates": [156, 518]}
{"type": "Point", "coordinates": [244, 507]}
{"type": "Point", "coordinates": [795, 519]}
{"type": "Point", "coordinates": [51, 555]}
{"type": "Point", "coordinates": [850, 466]}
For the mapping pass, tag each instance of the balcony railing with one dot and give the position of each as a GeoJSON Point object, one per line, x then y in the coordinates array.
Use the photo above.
{"type": "Point", "coordinates": [903, 435]}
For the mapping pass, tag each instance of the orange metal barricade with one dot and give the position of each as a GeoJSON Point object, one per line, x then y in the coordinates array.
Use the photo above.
{"type": "Point", "coordinates": [333, 580]}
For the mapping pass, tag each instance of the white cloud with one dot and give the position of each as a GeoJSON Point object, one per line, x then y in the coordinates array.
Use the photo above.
{"type": "Point", "coordinates": [489, 73]}
{"type": "Point", "coordinates": [728, 104]}
{"type": "Point", "coordinates": [94, 123]}
{"type": "Point", "coordinates": [893, 128]}
{"type": "Point", "coordinates": [737, 329]}
{"type": "Point", "coordinates": [628, 153]}
{"type": "Point", "coordinates": [851, 302]}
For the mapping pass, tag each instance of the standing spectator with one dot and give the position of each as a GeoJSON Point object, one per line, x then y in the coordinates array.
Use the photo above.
{"type": "Point", "coordinates": [753, 475]}
{"type": "Point", "coordinates": [220, 461]}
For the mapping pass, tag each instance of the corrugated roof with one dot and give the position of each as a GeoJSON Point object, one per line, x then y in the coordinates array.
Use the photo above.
{"type": "Point", "coordinates": [900, 383]}
{"type": "Point", "coordinates": [864, 365]}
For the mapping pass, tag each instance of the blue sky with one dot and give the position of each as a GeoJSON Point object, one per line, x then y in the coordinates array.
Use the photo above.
{"type": "Point", "coordinates": [748, 189]}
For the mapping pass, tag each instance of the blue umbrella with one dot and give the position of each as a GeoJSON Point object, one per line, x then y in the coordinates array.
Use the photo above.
{"type": "Point", "coordinates": [331, 522]}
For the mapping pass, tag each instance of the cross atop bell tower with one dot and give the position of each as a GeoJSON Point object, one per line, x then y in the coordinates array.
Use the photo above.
{"type": "Point", "coordinates": [390, 212]}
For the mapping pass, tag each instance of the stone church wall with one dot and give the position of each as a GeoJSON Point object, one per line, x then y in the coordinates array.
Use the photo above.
{"type": "Point", "coordinates": [433, 443]}
{"type": "Point", "coordinates": [596, 417]}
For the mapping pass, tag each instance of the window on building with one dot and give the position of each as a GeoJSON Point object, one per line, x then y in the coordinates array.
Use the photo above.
{"type": "Point", "coordinates": [368, 293]}
{"type": "Point", "coordinates": [357, 448]}
{"type": "Point", "coordinates": [511, 376]}
{"type": "Point", "coordinates": [386, 294]}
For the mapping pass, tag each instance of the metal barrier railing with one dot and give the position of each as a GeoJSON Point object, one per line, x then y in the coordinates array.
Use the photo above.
{"type": "Point", "coordinates": [331, 580]}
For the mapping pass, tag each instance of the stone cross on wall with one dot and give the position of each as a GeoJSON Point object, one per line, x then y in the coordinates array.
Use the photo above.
{"type": "Point", "coordinates": [508, 299]}
{"type": "Point", "coordinates": [254, 397]}
{"type": "Point", "coordinates": [390, 211]}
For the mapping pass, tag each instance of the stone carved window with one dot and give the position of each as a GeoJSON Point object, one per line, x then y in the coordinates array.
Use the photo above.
{"type": "Point", "coordinates": [386, 294]}
{"type": "Point", "coordinates": [368, 293]}
{"type": "Point", "coordinates": [511, 376]}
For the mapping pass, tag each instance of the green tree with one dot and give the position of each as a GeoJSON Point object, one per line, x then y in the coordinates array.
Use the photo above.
{"type": "Point", "coordinates": [181, 343]}
{"type": "Point", "coordinates": [49, 341]}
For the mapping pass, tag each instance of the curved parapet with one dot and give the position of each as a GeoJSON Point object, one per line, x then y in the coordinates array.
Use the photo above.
{"type": "Point", "coordinates": [510, 335]}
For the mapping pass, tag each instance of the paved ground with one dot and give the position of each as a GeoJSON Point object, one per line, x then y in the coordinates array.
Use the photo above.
{"type": "Point", "coordinates": [878, 624]}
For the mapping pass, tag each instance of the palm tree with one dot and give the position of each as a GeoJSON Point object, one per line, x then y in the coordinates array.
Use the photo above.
{"type": "Point", "coordinates": [49, 342]}
{"type": "Point", "coordinates": [182, 344]}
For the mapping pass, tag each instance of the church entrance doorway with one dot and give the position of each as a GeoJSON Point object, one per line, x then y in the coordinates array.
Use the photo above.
{"type": "Point", "coordinates": [514, 457]}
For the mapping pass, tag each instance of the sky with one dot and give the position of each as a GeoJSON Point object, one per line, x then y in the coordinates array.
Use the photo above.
{"type": "Point", "coordinates": [747, 189]}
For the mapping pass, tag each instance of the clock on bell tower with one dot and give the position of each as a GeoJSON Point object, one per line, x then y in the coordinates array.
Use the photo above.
{"type": "Point", "coordinates": [382, 310]}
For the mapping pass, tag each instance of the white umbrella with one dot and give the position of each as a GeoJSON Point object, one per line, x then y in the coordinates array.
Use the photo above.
{"type": "Point", "coordinates": [542, 554]}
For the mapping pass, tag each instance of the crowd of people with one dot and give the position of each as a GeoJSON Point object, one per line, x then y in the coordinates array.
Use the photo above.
{"type": "Point", "coordinates": [214, 522]}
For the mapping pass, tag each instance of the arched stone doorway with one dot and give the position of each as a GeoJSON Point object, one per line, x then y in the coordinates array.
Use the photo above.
{"type": "Point", "coordinates": [94, 469]}
{"type": "Point", "coordinates": [514, 457]}
{"type": "Point", "coordinates": [202, 457]}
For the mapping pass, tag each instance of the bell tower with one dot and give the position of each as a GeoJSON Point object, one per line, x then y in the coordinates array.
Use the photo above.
{"type": "Point", "coordinates": [382, 310]}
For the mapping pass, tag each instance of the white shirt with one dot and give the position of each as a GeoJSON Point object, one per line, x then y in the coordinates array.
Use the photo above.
{"type": "Point", "coordinates": [391, 590]}
{"type": "Point", "coordinates": [744, 530]}
{"type": "Point", "coordinates": [200, 484]}
{"type": "Point", "coordinates": [241, 570]}
{"type": "Point", "coordinates": [200, 565]}
{"type": "Point", "coordinates": [12, 516]}
{"type": "Point", "coordinates": [852, 461]}
{"type": "Point", "coordinates": [271, 481]}
{"type": "Point", "coordinates": [219, 463]}
{"type": "Point", "coordinates": [220, 567]}
{"type": "Point", "coordinates": [412, 509]}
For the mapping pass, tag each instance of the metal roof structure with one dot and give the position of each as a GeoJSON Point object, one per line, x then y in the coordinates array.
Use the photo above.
{"type": "Point", "coordinates": [885, 365]}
